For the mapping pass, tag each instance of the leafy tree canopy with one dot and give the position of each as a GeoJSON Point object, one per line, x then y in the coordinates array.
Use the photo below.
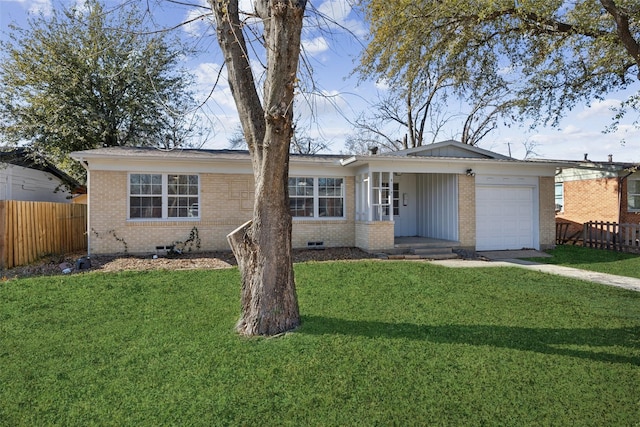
{"type": "Point", "coordinates": [85, 77]}
{"type": "Point", "coordinates": [551, 54]}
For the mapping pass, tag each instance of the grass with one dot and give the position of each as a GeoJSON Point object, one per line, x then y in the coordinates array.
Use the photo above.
{"type": "Point", "coordinates": [382, 343]}
{"type": "Point", "coordinates": [600, 260]}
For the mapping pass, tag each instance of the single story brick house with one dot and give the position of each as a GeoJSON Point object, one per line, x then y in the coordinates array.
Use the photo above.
{"type": "Point", "coordinates": [605, 191]}
{"type": "Point", "coordinates": [144, 198]}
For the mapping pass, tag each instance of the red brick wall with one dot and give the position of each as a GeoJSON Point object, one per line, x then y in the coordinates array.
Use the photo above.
{"type": "Point", "coordinates": [590, 200]}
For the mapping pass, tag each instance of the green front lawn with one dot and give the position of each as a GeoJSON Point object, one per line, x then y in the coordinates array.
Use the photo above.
{"type": "Point", "coordinates": [600, 260]}
{"type": "Point", "coordinates": [382, 343]}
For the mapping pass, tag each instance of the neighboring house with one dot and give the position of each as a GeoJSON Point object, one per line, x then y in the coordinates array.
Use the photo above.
{"type": "Point", "coordinates": [597, 191]}
{"type": "Point", "coordinates": [143, 199]}
{"type": "Point", "coordinates": [23, 178]}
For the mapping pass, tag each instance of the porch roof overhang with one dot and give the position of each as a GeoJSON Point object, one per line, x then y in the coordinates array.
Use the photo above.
{"type": "Point", "coordinates": [447, 165]}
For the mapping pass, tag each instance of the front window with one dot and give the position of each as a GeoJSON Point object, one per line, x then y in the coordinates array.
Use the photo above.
{"type": "Point", "coordinates": [145, 196]}
{"type": "Point", "coordinates": [316, 197]}
{"type": "Point", "coordinates": [301, 196]}
{"type": "Point", "coordinates": [163, 196]}
{"type": "Point", "coordinates": [559, 196]}
{"type": "Point", "coordinates": [182, 196]}
{"type": "Point", "coordinates": [633, 195]}
{"type": "Point", "coordinates": [330, 197]}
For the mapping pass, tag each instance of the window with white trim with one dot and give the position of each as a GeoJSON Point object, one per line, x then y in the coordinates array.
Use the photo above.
{"type": "Point", "coordinates": [316, 197]}
{"type": "Point", "coordinates": [559, 196]}
{"type": "Point", "coordinates": [163, 196]}
{"type": "Point", "coordinates": [633, 195]}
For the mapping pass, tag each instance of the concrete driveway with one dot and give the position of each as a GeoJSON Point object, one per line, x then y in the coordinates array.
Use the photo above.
{"type": "Point", "coordinates": [513, 259]}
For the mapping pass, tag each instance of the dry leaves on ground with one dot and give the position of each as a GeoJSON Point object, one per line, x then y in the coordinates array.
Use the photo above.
{"type": "Point", "coordinates": [54, 265]}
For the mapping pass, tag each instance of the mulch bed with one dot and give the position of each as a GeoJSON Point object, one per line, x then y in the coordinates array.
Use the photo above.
{"type": "Point", "coordinates": [54, 265]}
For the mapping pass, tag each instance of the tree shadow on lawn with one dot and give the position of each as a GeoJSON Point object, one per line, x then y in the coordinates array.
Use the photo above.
{"type": "Point", "coordinates": [541, 340]}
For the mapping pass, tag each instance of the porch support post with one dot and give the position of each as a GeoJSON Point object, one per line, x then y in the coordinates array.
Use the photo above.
{"type": "Point", "coordinates": [390, 192]}
{"type": "Point", "coordinates": [369, 194]}
{"type": "Point", "coordinates": [358, 191]}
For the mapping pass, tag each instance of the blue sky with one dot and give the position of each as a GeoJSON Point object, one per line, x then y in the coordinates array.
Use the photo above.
{"type": "Point", "coordinates": [332, 54]}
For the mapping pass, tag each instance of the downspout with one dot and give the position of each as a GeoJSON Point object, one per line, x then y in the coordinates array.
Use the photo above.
{"type": "Point", "coordinates": [85, 165]}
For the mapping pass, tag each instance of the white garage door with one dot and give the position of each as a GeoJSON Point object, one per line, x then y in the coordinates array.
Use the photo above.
{"type": "Point", "coordinates": [504, 217]}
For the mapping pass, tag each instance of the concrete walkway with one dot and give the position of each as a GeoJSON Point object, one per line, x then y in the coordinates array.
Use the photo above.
{"type": "Point", "coordinates": [511, 259]}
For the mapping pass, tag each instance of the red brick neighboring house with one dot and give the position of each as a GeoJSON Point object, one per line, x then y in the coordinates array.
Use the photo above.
{"type": "Point", "coordinates": [597, 191]}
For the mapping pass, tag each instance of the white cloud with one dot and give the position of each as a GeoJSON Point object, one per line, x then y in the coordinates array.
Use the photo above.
{"type": "Point", "coordinates": [206, 73]}
{"type": "Point", "coordinates": [196, 24]}
{"type": "Point", "coordinates": [382, 84]}
{"type": "Point", "coordinates": [316, 104]}
{"type": "Point", "coordinates": [213, 87]}
{"type": "Point", "coordinates": [572, 130]}
{"type": "Point", "coordinates": [35, 6]}
{"type": "Point", "coordinates": [572, 143]}
{"type": "Point", "coordinates": [339, 12]}
{"type": "Point", "coordinates": [599, 109]}
{"type": "Point", "coordinates": [80, 6]}
{"type": "Point", "coordinates": [315, 46]}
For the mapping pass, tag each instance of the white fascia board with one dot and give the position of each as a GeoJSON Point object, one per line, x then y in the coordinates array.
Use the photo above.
{"type": "Point", "coordinates": [457, 166]}
{"type": "Point", "coordinates": [317, 170]}
{"type": "Point", "coordinates": [173, 165]}
{"type": "Point", "coordinates": [318, 167]}
{"type": "Point", "coordinates": [518, 169]}
{"type": "Point", "coordinates": [206, 165]}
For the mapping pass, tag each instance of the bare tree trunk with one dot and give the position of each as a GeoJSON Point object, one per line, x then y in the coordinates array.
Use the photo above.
{"type": "Point", "coordinates": [263, 246]}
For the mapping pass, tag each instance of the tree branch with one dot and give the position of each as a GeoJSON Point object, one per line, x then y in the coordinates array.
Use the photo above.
{"type": "Point", "coordinates": [622, 28]}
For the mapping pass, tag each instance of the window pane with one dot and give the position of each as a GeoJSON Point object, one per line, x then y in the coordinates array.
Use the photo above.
{"type": "Point", "coordinates": [330, 201]}
{"type": "Point", "coordinates": [145, 184]}
{"type": "Point", "coordinates": [182, 207]}
{"type": "Point", "coordinates": [559, 190]}
{"type": "Point", "coordinates": [633, 194]}
{"type": "Point", "coordinates": [145, 200]}
{"type": "Point", "coordinates": [193, 208]}
{"type": "Point", "coordinates": [172, 185]}
{"type": "Point", "coordinates": [330, 187]}
{"type": "Point", "coordinates": [330, 207]}
{"type": "Point", "coordinates": [301, 207]}
{"type": "Point", "coordinates": [179, 204]}
{"type": "Point", "coordinates": [301, 186]}
{"type": "Point", "coordinates": [145, 207]}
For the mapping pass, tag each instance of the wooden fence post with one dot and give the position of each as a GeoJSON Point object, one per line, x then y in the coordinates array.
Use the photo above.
{"type": "Point", "coordinates": [3, 234]}
{"type": "Point", "coordinates": [10, 234]}
{"type": "Point", "coordinates": [585, 234]}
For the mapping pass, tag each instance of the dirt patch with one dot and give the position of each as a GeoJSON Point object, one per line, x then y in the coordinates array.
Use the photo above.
{"type": "Point", "coordinates": [54, 265]}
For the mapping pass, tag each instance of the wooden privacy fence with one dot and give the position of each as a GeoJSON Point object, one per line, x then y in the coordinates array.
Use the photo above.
{"type": "Point", "coordinates": [612, 236]}
{"type": "Point", "coordinates": [30, 230]}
